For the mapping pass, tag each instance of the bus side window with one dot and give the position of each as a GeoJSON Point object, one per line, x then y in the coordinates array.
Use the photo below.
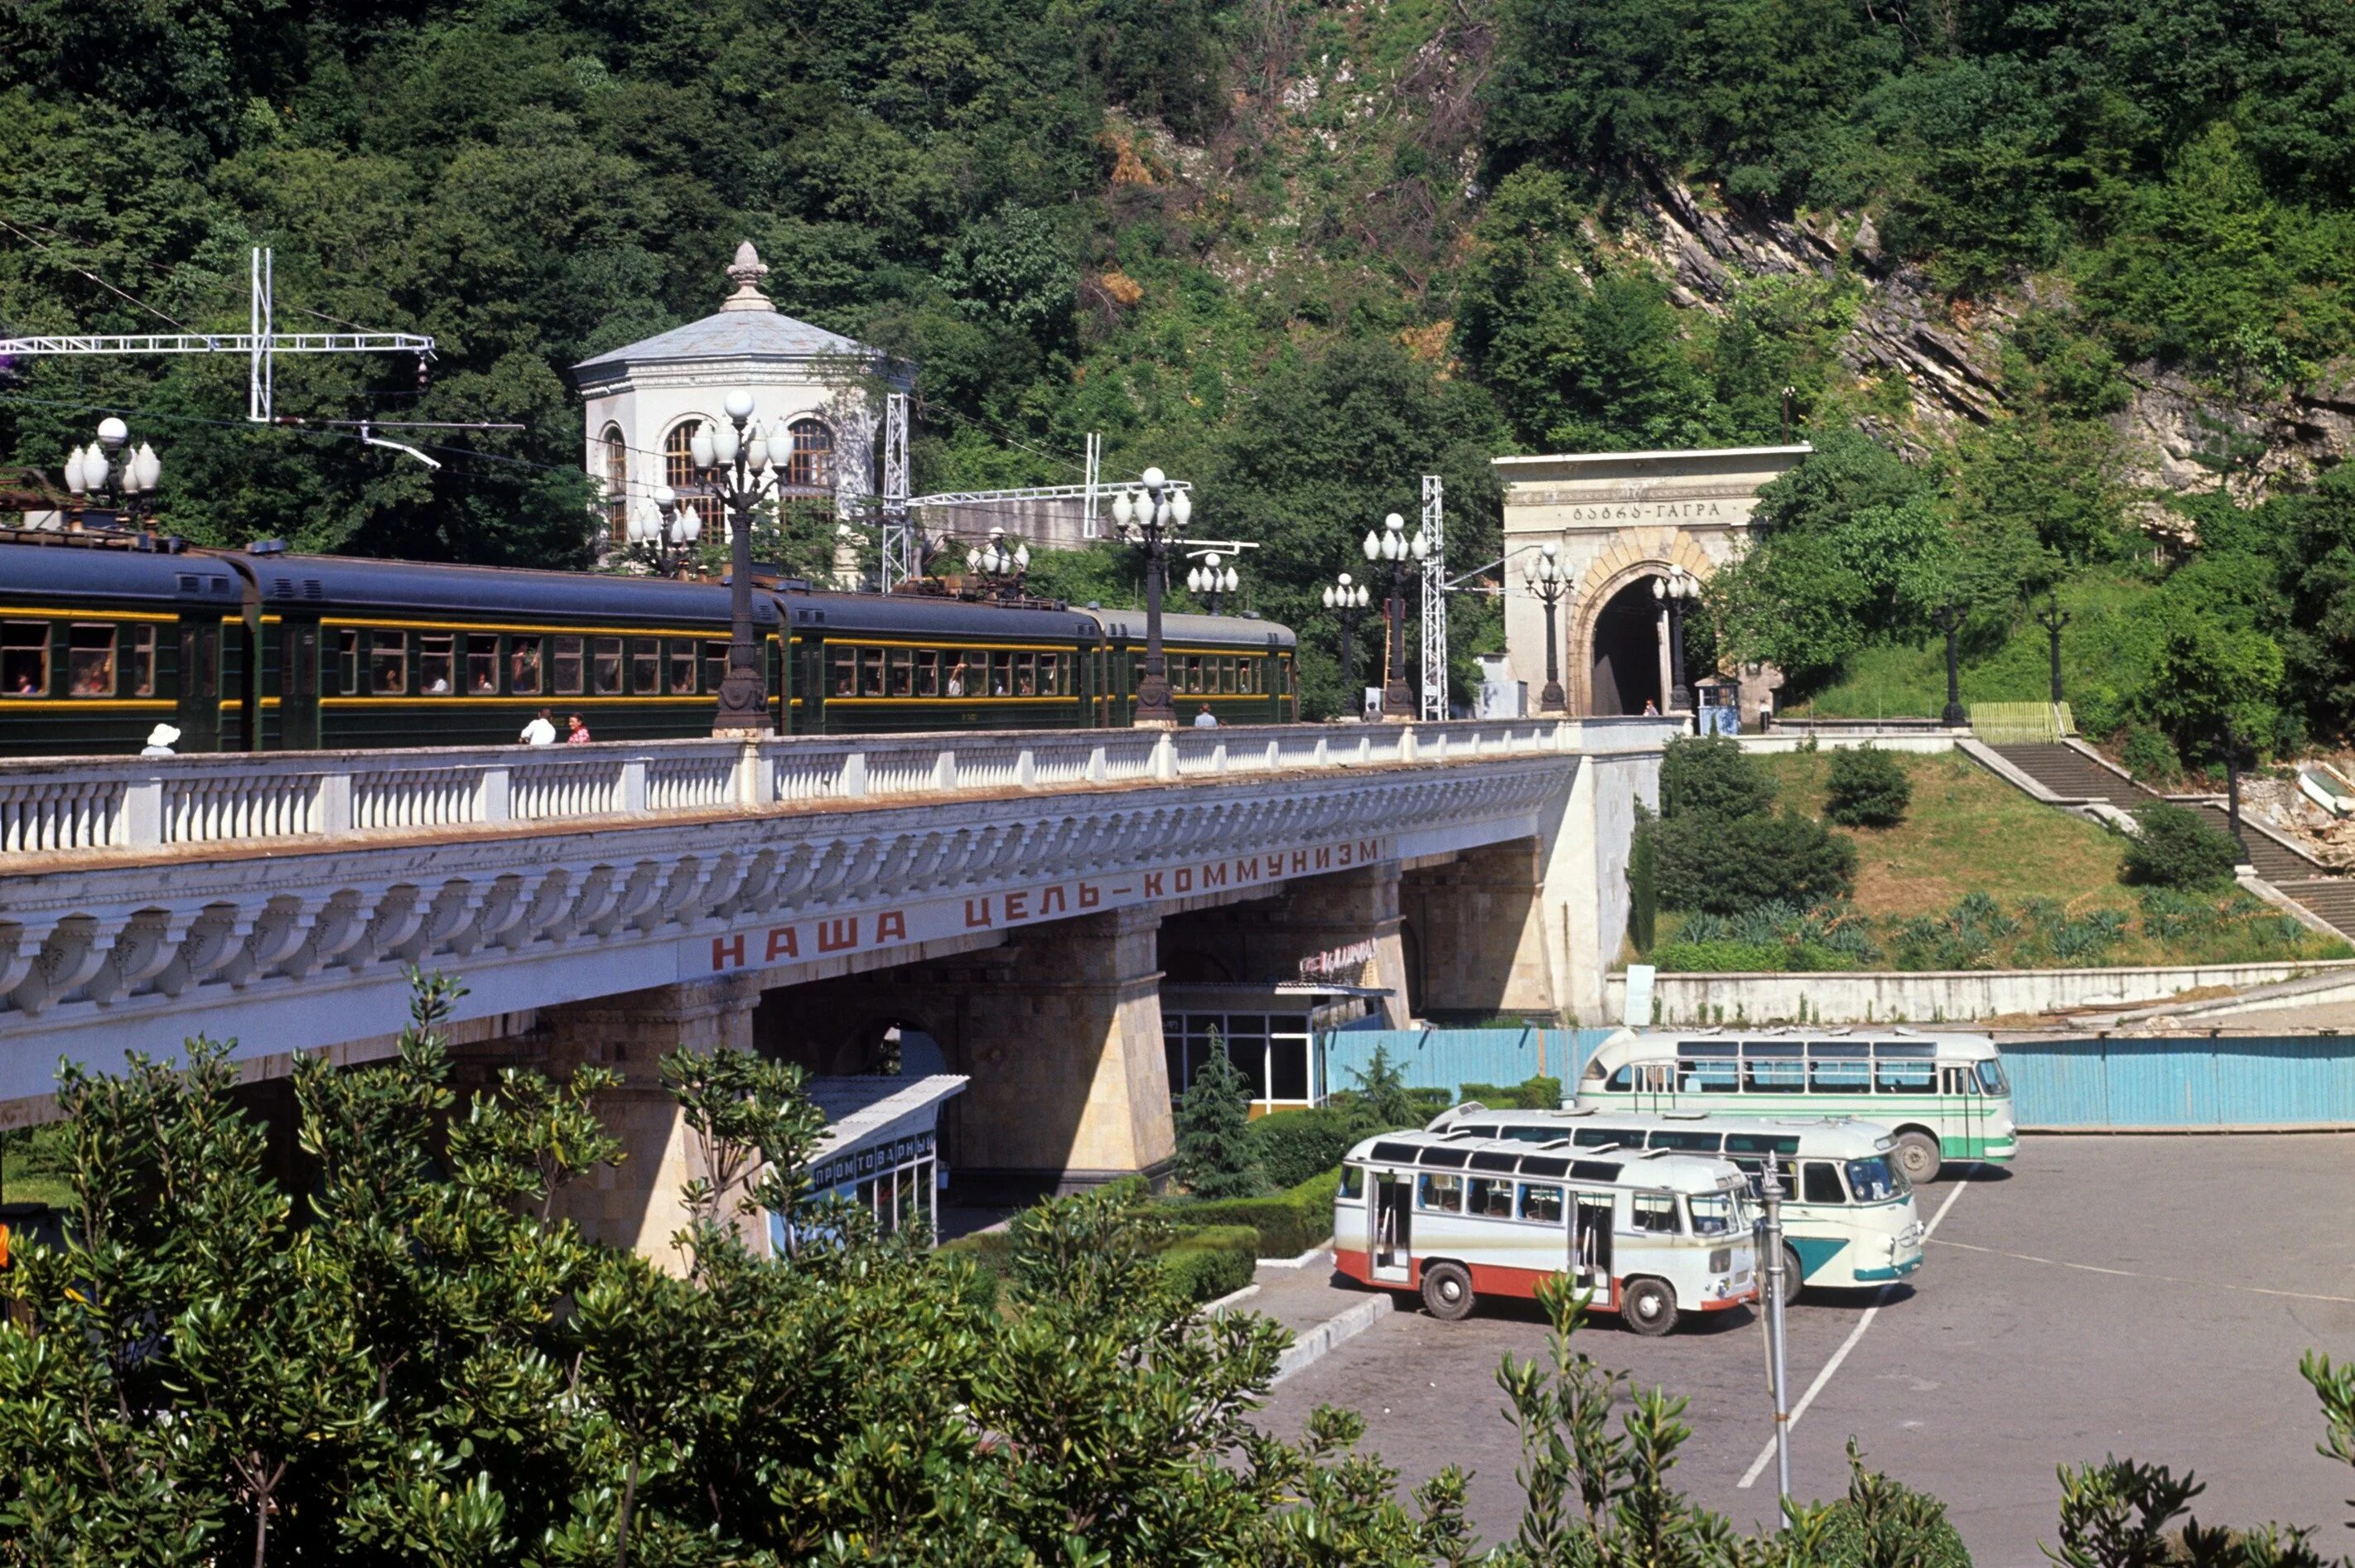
{"type": "Point", "coordinates": [1819, 1182]}
{"type": "Point", "coordinates": [1597, 1137]}
{"type": "Point", "coordinates": [1655, 1212]}
{"type": "Point", "coordinates": [1444, 1194]}
{"type": "Point", "coordinates": [1541, 1203]}
{"type": "Point", "coordinates": [1623, 1078]}
{"type": "Point", "coordinates": [1353, 1182]}
{"type": "Point", "coordinates": [1956, 1081]}
{"type": "Point", "coordinates": [1491, 1198]}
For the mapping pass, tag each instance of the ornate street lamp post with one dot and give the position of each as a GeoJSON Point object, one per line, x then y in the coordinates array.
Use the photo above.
{"type": "Point", "coordinates": [1390, 543]}
{"type": "Point", "coordinates": [1543, 576]}
{"type": "Point", "coordinates": [1212, 580]}
{"type": "Point", "coordinates": [2052, 618]}
{"type": "Point", "coordinates": [1675, 591]}
{"type": "Point", "coordinates": [126, 486]}
{"type": "Point", "coordinates": [999, 563]}
{"type": "Point", "coordinates": [1349, 598]}
{"type": "Point", "coordinates": [1949, 618]}
{"type": "Point", "coordinates": [1154, 521]}
{"type": "Point", "coordinates": [734, 458]}
{"type": "Point", "coordinates": [662, 536]}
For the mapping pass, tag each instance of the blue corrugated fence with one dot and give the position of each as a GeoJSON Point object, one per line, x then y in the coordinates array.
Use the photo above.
{"type": "Point", "coordinates": [2192, 1081]}
{"type": "Point", "coordinates": [1448, 1058]}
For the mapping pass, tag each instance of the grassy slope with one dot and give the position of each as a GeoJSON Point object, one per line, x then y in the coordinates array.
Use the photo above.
{"type": "Point", "coordinates": [1967, 831]}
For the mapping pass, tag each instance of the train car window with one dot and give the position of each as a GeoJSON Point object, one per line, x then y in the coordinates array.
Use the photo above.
{"type": "Point", "coordinates": [389, 663]}
{"type": "Point", "coordinates": [927, 672]}
{"type": "Point", "coordinates": [24, 659]}
{"type": "Point", "coordinates": [870, 672]}
{"type": "Point", "coordinates": [841, 672]}
{"type": "Point", "coordinates": [347, 662]}
{"type": "Point", "coordinates": [525, 671]}
{"type": "Point", "coordinates": [605, 666]}
{"type": "Point", "coordinates": [1026, 675]}
{"type": "Point", "coordinates": [961, 680]}
{"type": "Point", "coordinates": [89, 659]}
{"type": "Point", "coordinates": [715, 665]}
{"type": "Point", "coordinates": [1001, 674]}
{"type": "Point", "coordinates": [568, 662]}
{"type": "Point", "coordinates": [436, 653]}
{"type": "Point", "coordinates": [682, 667]}
{"type": "Point", "coordinates": [142, 661]}
{"type": "Point", "coordinates": [899, 672]}
{"type": "Point", "coordinates": [645, 666]}
{"type": "Point", "coordinates": [482, 663]}
{"type": "Point", "coordinates": [1050, 673]}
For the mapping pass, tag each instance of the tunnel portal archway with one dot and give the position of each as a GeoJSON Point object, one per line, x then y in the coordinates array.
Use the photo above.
{"type": "Point", "coordinates": [1625, 651]}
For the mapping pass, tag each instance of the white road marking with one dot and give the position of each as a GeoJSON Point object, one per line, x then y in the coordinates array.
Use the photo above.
{"type": "Point", "coordinates": [1767, 1455]}
{"type": "Point", "coordinates": [2161, 1278]}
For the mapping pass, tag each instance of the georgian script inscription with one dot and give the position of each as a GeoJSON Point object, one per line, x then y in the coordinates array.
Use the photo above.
{"type": "Point", "coordinates": [1653, 512]}
{"type": "Point", "coordinates": [779, 941]}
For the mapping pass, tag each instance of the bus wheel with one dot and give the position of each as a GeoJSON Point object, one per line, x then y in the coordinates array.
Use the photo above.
{"type": "Point", "coordinates": [1792, 1285]}
{"type": "Point", "coordinates": [1447, 1291]}
{"type": "Point", "coordinates": [1649, 1308]}
{"type": "Point", "coordinates": [1918, 1157]}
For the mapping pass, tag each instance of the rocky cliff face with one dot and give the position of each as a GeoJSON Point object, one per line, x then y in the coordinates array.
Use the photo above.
{"type": "Point", "coordinates": [2177, 436]}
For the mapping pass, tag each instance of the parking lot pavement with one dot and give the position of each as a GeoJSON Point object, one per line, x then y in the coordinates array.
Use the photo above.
{"type": "Point", "coordinates": [2204, 1267]}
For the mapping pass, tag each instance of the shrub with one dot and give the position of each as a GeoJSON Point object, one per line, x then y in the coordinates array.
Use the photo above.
{"type": "Point", "coordinates": [1216, 1152]}
{"type": "Point", "coordinates": [2174, 849]}
{"type": "Point", "coordinates": [1288, 1223]}
{"type": "Point", "coordinates": [1868, 789]}
{"type": "Point", "coordinates": [1294, 1146]}
{"type": "Point", "coordinates": [1725, 866]}
{"type": "Point", "coordinates": [1713, 777]}
{"type": "Point", "coordinates": [1882, 1523]}
{"type": "Point", "coordinates": [1205, 1262]}
{"type": "Point", "coordinates": [1643, 891]}
{"type": "Point", "coordinates": [1529, 1094]}
{"type": "Point", "coordinates": [2150, 756]}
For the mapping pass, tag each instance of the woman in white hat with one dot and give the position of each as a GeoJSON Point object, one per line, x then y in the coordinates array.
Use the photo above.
{"type": "Point", "coordinates": [160, 740]}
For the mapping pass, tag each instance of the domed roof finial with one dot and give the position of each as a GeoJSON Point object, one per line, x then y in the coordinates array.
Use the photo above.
{"type": "Point", "coordinates": [746, 272]}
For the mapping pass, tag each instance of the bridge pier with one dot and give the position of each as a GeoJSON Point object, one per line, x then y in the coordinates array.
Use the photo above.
{"type": "Point", "coordinates": [637, 1203]}
{"type": "Point", "coordinates": [1480, 932]}
{"type": "Point", "coordinates": [1266, 939]}
{"type": "Point", "coordinates": [1059, 1031]}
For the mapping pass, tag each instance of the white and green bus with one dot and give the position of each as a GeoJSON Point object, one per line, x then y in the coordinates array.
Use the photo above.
{"type": "Point", "coordinates": [1648, 1235]}
{"type": "Point", "coordinates": [1848, 1215]}
{"type": "Point", "coordinates": [1944, 1096]}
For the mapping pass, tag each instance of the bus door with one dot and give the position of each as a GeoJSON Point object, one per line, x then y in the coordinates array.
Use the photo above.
{"type": "Point", "coordinates": [1590, 1224]}
{"type": "Point", "coordinates": [1393, 1236]}
{"type": "Point", "coordinates": [1959, 1090]}
{"type": "Point", "coordinates": [1656, 1085]}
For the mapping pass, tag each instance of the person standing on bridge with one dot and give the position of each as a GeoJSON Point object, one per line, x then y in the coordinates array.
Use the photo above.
{"type": "Point", "coordinates": [542, 731]}
{"type": "Point", "coordinates": [578, 732]}
{"type": "Point", "coordinates": [160, 740]}
{"type": "Point", "coordinates": [1206, 719]}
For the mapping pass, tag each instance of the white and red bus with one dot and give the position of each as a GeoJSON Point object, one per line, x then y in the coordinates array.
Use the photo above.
{"type": "Point", "coordinates": [1648, 1234]}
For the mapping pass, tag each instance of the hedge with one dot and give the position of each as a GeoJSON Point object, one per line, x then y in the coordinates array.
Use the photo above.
{"type": "Point", "coordinates": [1288, 1222]}
{"type": "Point", "coordinates": [1294, 1146]}
{"type": "Point", "coordinates": [1202, 1261]}
{"type": "Point", "coordinates": [1531, 1094]}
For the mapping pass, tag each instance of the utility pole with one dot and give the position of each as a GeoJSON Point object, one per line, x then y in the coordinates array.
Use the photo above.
{"type": "Point", "coordinates": [1770, 1242]}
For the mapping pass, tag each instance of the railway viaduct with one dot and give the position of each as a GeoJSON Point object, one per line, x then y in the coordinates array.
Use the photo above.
{"type": "Point", "coordinates": [1015, 895]}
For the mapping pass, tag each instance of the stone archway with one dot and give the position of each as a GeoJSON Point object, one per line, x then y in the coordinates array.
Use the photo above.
{"type": "Point", "coordinates": [1622, 674]}
{"type": "Point", "coordinates": [1615, 619]}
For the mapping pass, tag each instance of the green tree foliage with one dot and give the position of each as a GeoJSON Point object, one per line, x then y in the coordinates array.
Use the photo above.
{"type": "Point", "coordinates": [1643, 890]}
{"type": "Point", "coordinates": [1866, 788]}
{"type": "Point", "coordinates": [1720, 848]}
{"type": "Point", "coordinates": [2173, 846]}
{"type": "Point", "coordinates": [1711, 777]}
{"type": "Point", "coordinates": [1216, 1157]}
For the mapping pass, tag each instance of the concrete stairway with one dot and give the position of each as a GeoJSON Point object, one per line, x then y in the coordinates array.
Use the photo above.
{"type": "Point", "coordinates": [2072, 775]}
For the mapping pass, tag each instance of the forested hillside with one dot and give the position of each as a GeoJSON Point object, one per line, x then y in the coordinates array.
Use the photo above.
{"type": "Point", "coordinates": [2062, 289]}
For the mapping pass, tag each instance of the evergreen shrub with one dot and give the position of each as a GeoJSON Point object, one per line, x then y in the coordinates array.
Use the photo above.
{"type": "Point", "coordinates": [1294, 1146]}
{"type": "Point", "coordinates": [2150, 756]}
{"type": "Point", "coordinates": [2173, 847]}
{"type": "Point", "coordinates": [1712, 776]}
{"type": "Point", "coordinates": [1288, 1223]}
{"type": "Point", "coordinates": [1533, 1093]}
{"type": "Point", "coordinates": [1725, 866]}
{"type": "Point", "coordinates": [1205, 1262]}
{"type": "Point", "coordinates": [1868, 788]}
{"type": "Point", "coordinates": [1217, 1155]}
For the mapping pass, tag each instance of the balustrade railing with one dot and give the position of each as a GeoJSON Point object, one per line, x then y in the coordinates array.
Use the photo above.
{"type": "Point", "coordinates": [133, 803]}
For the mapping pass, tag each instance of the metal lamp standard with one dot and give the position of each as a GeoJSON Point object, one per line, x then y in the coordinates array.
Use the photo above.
{"type": "Point", "coordinates": [2052, 618]}
{"type": "Point", "coordinates": [1153, 520]}
{"type": "Point", "coordinates": [1349, 598]}
{"type": "Point", "coordinates": [735, 459]}
{"type": "Point", "coordinates": [1675, 591]}
{"type": "Point", "coordinates": [1543, 576]}
{"type": "Point", "coordinates": [1000, 564]}
{"type": "Point", "coordinates": [126, 486]}
{"type": "Point", "coordinates": [1390, 543]}
{"type": "Point", "coordinates": [1213, 581]}
{"type": "Point", "coordinates": [662, 536]}
{"type": "Point", "coordinates": [1949, 618]}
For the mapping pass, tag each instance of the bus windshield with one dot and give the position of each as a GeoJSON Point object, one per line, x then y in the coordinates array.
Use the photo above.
{"type": "Point", "coordinates": [1713, 1214]}
{"type": "Point", "coordinates": [1874, 1181]}
{"type": "Point", "coordinates": [1991, 1078]}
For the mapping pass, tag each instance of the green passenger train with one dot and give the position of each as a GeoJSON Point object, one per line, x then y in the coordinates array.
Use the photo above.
{"type": "Point", "coordinates": [248, 651]}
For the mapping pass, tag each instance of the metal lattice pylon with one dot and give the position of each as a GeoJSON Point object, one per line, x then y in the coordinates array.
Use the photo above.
{"type": "Point", "coordinates": [902, 555]}
{"type": "Point", "coordinates": [1434, 603]}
